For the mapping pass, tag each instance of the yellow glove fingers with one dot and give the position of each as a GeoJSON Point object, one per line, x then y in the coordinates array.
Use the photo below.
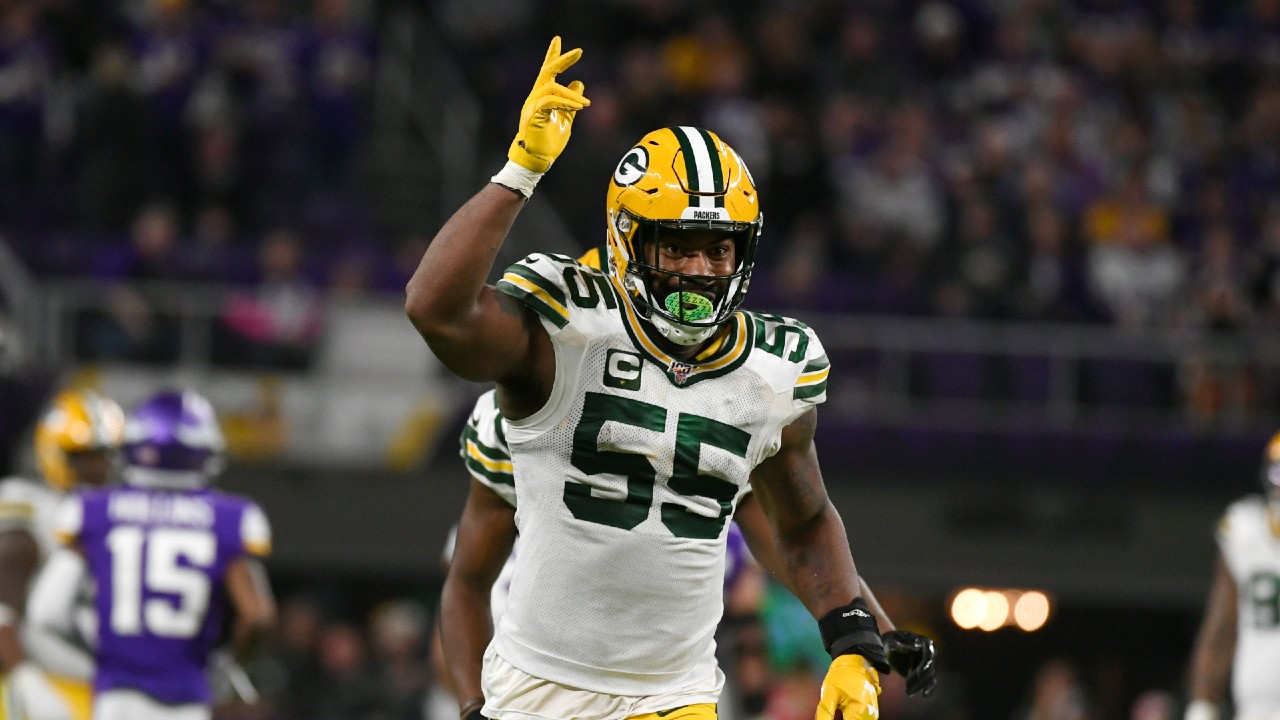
{"type": "Point", "coordinates": [555, 63]}
{"type": "Point", "coordinates": [547, 115]}
{"type": "Point", "coordinates": [565, 61]}
{"type": "Point", "coordinates": [826, 706]}
{"type": "Point", "coordinates": [553, 51]}
{"type": "Point", "coordinates": [568, 94]}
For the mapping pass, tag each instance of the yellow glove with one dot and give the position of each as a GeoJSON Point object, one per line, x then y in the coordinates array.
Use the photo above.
{"type": "Point", "coordinates": [547, 115]}
{"type": "Point", "coordinates": [851, 690]}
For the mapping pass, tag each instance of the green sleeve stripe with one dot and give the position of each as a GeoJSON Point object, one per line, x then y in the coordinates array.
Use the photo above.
{"type": "Point", "coordinates": [805, 392]}
{"type": "Point", "coordinates": [532, 276]}
{"type": "Point", "coordinates": [817, 364]}
{"type": "Point", "coordinates": [499, 478]}
{"type": "Point", "coordinates": [501, 433]}
{"type": "Point", "coordinates": [534, 303]}
{"type": "Point", "coordinates": [469, 434]}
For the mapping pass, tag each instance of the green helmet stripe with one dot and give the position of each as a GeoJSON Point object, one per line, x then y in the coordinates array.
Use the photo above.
{"type": "Point", "coordinates": [717, 172]}
{"type": "Point", "coordinates": [690, 163]}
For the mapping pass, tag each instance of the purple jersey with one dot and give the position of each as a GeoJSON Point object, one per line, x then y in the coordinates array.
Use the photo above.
{"type": "Point", "coordinates": [736, 556]}
{"type": "Point", "coordinates": [159, 559]}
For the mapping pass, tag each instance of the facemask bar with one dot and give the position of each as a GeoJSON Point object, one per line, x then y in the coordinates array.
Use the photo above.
{"type": "Point", "coordinates": [731, 288]}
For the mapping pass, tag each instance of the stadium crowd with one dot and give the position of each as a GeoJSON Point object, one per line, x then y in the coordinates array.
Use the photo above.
{"type": "Point", "coordinates": [1097, 161]}
{"type": "Point", "coordinates": [1092, 161]}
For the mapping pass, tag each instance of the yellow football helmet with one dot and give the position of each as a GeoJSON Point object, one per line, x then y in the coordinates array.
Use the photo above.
{"type": "Point", "coordinates": [76, 421]}
{"type": "Point", "coordinates": [680, 179]}
{"type": "Point", "coordinates": [593, 258]}
{"type": "Point", "coordinates": [1271, 473]}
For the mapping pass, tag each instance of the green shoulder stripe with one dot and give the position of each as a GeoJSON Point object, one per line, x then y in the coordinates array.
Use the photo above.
{"type": "Point", "coordinates": [805, 392]}
{"type": "Point", "coordinates": [534, 303]}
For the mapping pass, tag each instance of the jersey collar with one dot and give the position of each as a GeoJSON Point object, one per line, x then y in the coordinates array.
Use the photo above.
{"type": "Point", "coordinates": [732, 352]}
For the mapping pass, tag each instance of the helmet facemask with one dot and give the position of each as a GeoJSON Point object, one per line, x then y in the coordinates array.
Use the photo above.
{"type": "Point", "coordinates": [685, 309]}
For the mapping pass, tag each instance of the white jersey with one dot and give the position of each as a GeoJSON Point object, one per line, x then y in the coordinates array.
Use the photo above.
{"type": "Point", "coordinates": [627, 478]}
{"type": "Point", "coordinates": [29, 505]}
{"type": "Point", "coordinates": [1251, 546]}
{"type": "Point", "coordinates": [486, 456]}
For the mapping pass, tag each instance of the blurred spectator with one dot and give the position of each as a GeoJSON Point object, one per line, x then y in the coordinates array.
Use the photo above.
{"type": "Point", "coordinates": [170, 51]}
{"type": "Point", "coordinates": [350, 691]}
{"type": "Point", "coordinates": [135, 322]}
{"type": "Point", "coordinates": [1133, 269]}
{"type": "Point", "coordinates": [978, 269]}
{"type": "Point", "coordinates": [115, 144]}
{"type": "Point", "coordinates": [210, 256]}
{"type": "Point", "coordinates": [24, 79]}
{"type": "Point", "coordinates": [1056, 694]}
{"type": "Point", "coordinates": [1264, 275]}
{"type": "Point", "coordinates": [399, 631]}
{"type": "Point", "coordinates": [1218, 374]}
{"type": "Point", "coordinates": [276, 323]}
{"type": "Point", "coordinates": [336, 59]}
{"type": "Point", "coordinates": [1051, 283]}
{"type": "Point", "coordinates": [894, 194]}
{"type": "Point", "coordinates": [295, 650]}
{"type": "Point", "coordinates": [1153, 705]}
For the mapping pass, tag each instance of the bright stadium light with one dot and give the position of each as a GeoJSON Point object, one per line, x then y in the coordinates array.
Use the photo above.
{"type": "Point", "coordinates": [990, 609]}
{"type": "Point", "coordinates": [968, 608]}
{"type": "Point", "coordinates": [997, 611]}
{"type": "Point", "coordinates": [1031, 611]}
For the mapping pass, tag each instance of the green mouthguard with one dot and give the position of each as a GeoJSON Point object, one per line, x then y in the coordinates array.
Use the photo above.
{"type": "Point", "coordinates": [688, 306]}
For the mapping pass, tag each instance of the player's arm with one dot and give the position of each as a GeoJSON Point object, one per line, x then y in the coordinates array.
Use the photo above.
{"type": "Point", "coordinates": [50, 622]}
{"type": "Point", "coordinates": [759, 536]}
{"type": "Point", "coordinates": [812, 549]}
{"type": "Point", "coordinates": [476, 332]}
{"type": "Point", "coordinates": [910, 654]}
{"type": "Point", "coordinates": [813, 554]}
{"type": "Point", "coordinates": [1215, 646]}
{"type": "Point", "coordinates": [255, 606]}
{"type": "Point", "coordinates": [486, 534]}
{"type": "Point", "coordinates": [19, 556]}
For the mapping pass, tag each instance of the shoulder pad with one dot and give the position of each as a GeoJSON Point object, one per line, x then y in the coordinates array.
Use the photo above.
{"type": "Point", "coordinates": [553, 285]}
{"type": "Point", "coordinates": [797, 345]}
{"type": "Point", "coordinates": [484, 449]}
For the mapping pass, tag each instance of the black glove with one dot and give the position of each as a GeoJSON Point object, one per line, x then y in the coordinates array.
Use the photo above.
{"type": "Point", "coordinates": [911, 655]}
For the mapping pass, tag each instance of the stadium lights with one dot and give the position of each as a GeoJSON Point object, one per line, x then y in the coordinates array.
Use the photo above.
{"type": "Point", "coordinates": [992, 609]}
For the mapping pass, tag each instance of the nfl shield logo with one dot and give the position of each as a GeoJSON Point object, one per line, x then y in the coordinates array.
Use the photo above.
{"type": "Point", "coordinates": [681, 371]}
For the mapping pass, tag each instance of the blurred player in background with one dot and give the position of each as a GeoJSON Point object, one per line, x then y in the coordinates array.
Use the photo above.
{"type": "Point", "coordinates": [1240, 634]}
{"type": "Point", "coordinates": [75, 442]}
{"type": "Point", "coordinates": [166, 553]}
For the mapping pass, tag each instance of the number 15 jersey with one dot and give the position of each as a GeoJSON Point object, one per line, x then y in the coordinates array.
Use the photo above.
{"type": "Point", "coordinates": [159, 559]}
{"type": "Point", "coordinates": [627, 478]}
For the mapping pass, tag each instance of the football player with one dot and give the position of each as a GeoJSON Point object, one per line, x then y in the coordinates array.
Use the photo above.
{"type": "Point", "coordinates": [1241, 627]}
{"type": "Point", "coordinates": [639, 406]}
{"type": "Point", "coordinates": [75, 441]}
{"type": "Point", "coordinates": [166, 554]}
{"type": "Point", "coordinates": [481, 563]}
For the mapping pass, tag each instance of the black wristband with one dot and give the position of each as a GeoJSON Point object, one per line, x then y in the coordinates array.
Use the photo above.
{"type": "Point", "coordinates": [475, 715]}
{"type": "Point", "coordinates": [852, 630]}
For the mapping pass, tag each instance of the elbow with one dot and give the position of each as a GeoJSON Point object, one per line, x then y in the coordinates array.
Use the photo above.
{"type": "Point", "coordinates": [260, 620]}
{"type": "Point", "coordinates": [426, 316]}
